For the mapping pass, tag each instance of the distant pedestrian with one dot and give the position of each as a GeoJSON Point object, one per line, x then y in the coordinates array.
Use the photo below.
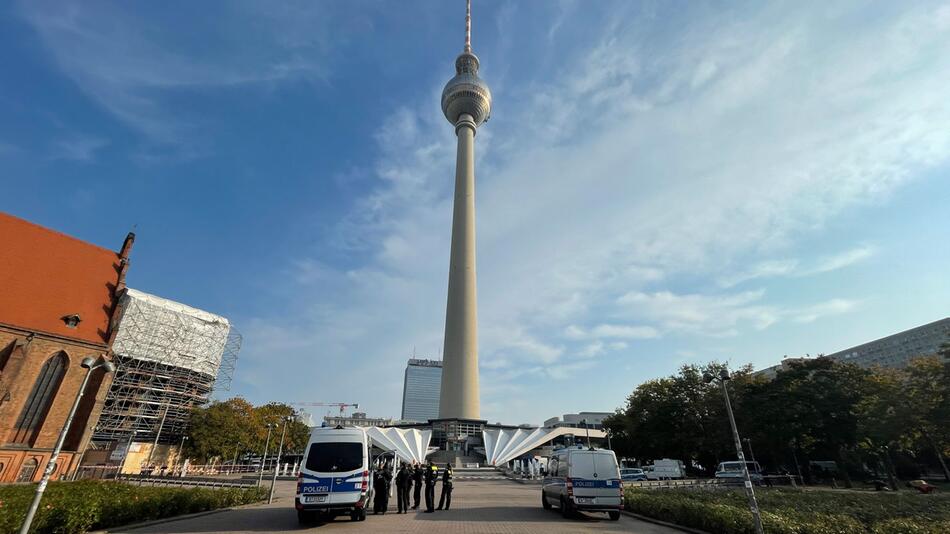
{"type": "Point", "coordinates": [417, 475]}
{"type": "Point", "coordinates": [446, 498]}
{"type": "Point", "coordinates": [403, 480]}
{"type": "Point", "coordinates": [431, 475]}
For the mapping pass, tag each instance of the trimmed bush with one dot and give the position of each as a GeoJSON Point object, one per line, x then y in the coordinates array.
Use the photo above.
{"type": "Point", "coordinates": [797, 512]}
{"type": "Point", "coordinates": [74, 507]}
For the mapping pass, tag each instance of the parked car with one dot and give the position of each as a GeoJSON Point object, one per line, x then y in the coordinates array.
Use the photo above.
{"type": "Point", "coordinates": [632, 474]}
{"type": "Point", "coordinates": [734, 470]}
{"type": "Point", "coordinates": [583, 479]}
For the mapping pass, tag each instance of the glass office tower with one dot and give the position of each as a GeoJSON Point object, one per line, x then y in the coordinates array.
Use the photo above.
{"type": "Point", "coordinates": [420, 390]}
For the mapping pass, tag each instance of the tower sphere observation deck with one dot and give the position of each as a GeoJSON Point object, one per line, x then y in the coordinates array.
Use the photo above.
{"type": "Point", "coordinates": [466, 93]}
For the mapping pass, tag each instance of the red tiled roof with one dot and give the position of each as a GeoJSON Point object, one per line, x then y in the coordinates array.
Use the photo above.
{"type": "Point", "coordinates": [46, 275]}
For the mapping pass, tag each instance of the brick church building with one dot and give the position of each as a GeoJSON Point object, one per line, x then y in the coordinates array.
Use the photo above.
{"type": "Point", "coordinates": [58, 300]}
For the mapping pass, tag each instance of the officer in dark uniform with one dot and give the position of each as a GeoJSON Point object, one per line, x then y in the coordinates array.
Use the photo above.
{"type": "Point", "coordinates": [431, 475]}
{"type": "Point", "coordinates": [381, 491]}
{"type": "Point", "coordinates": [403, 479]}
{"type": "Point", "coordinates": [417, 473]}
{"type": "Point", "coordinates": [446, 498]}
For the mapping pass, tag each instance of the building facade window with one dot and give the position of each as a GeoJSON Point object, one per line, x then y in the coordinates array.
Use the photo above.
{"type": "Point", "coordinates": [41, 398]}
{"type": "Point", "coordinates": [27, 470]}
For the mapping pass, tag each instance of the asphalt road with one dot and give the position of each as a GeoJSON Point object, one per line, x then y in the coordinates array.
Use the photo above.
{"type": "Point", "coordinates": [477, 507]}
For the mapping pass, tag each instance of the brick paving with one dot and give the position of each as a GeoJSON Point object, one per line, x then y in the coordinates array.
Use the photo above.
{"type": "Point", "coordinates": [478, 507]}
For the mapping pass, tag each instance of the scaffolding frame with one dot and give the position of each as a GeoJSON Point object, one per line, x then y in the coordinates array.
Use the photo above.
{"type": "Point", "coordinates": [169, 358]}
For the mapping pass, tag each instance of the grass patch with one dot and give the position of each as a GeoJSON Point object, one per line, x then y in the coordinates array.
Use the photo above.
{"type": "Point", "coordinates": [74, 507]}
{"type": "Point", "coordinates": [797, 512]}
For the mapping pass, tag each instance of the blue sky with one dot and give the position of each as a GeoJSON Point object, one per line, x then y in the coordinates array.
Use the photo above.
{"type": "Point", "coordinates": [660, 182]}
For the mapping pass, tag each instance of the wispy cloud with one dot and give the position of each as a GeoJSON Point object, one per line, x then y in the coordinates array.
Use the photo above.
{"type": "Point", "coordinates": [612, 331]}
{"type": "Point", "coordinates": [80, 148]}
{"type": "Point", "coordinates": [134, 65]}
{"type": "Point", "coordinates": [798, 268]}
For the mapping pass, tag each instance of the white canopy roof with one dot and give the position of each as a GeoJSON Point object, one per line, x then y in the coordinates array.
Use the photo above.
{"type": "Point", "coordinates": [409, 444]}
{"type": "Point", "coordinates": [504, 444]}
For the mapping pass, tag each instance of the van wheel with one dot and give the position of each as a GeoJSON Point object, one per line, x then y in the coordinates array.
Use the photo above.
{"type": "Point", "coordinates": [614, 516]}
{"type": "Point", "coordinates": [565, 509]}
{"type": "Point", "coordinates": [544, 502]}
{"type": "Point", "coordinates": [304, 518]}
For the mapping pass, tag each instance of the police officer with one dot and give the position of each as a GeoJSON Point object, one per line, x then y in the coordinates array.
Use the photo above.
{"type": "Point", "coordinates": [403, 479]}
{"type": "Point", "coordinates": [417, 473]}
{"type": "Point", "coordinates": [446, 498]}
{"type": "Point", "coordinates": [431, 475]}
{"type": "Point", "coordinates": [381, 490]}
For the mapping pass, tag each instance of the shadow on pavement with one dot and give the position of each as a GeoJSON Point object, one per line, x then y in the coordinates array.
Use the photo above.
{"type": "Point", "coordinates": [509, 514]}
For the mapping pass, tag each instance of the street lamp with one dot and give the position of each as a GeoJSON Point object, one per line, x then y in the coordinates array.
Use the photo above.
{"type": "Point", "coordinates": [181, 453]}
{"type": "Point", "coordinates": [587, 429]}
{"type": "Point", "coordinates": [234, 461]}
{"type": "Point", "coordinates": [750, 493]}
{"type": "Point", "coordinates": [749, 443]}
{"type": "Point", "coordinates": [260, 476]}
{"type": "Point", "coordinates": [90, 364]}
{"type": "Point", "coordinates": [280, 450]}
{"type": "Point", "coordinates": [128, 449]}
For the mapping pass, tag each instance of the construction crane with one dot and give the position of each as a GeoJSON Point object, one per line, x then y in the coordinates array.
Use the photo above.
{"type": "Point", "coordinates": [343, 405]}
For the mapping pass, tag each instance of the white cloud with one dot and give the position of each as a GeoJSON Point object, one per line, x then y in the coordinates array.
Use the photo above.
{"type": "Point", "coordinates": [132, 65]}
{"type": "Point", "coordinates": [612, 331]}
{"type": "Point", "coordinates": [704, 314]}
{"type": "Point", "coordinates": [839, 261]}
{"type": "Point", "coordinates": [824, 309]}
{"type": "Point", "coordinates": [798, 268]}
{"type": "Point", "coordinates": [80, 148]}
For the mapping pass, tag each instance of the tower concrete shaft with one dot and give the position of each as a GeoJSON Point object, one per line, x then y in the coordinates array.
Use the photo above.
{"type": "Point", "coordinates": [459, 395]}
{"type": "Point", "coordinates": [466, 103]}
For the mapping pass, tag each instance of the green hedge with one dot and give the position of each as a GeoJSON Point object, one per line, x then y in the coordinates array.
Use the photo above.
{"type": "Point", "coordinates": [73, 507]}
{"type": "Point", "coordinates": [797, 512]}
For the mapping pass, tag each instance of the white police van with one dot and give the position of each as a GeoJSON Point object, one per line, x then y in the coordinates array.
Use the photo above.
{"type": "Point", "coordinates": [582, 479]}
{"type": "Point", "coordinates": [334, 476]}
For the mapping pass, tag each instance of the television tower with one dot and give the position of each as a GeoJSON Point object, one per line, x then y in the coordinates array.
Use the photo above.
{"type": "Point", "coordinates": [466, 103]}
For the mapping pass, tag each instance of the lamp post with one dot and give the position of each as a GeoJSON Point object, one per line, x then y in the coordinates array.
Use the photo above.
{"type": "Point", "coordinates": [234, 461]}
{"type": "Point", "coordinates": [587, 430]}
{"type": "Point", "coordinates": [260, 476]}
{"type": "Point", "coordinates": [128, 449]}
{"type": "Point", "coordinates": [280, 450]}
{"type": "Point", "coordinates": [750, 493]}
{"type": "Point", "coordinates": [158, 434]}
{"type": "Point", "coordinates": [749, 443]}
{"type": "Point", "coordinates": [181, 453]}
{"type": "Point", "coordinates": [90, 364]}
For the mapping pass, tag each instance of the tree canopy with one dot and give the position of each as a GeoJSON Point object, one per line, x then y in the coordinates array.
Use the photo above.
{"type": "Point", "coordinates": [817, 409]}
{"type": "Point", "coordinates": [235, 427]}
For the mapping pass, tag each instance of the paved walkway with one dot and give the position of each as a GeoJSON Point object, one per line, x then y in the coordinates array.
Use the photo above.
{"type": "Point", "coordinates": [477, 507]}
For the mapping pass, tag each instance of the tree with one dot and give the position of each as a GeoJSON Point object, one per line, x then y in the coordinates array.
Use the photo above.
{"type": "Point", "coordinates": [220, 428]}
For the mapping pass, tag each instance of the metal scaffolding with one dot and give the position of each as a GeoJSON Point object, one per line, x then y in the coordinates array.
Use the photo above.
{"type": "Point", "coordinates": [169, 357]}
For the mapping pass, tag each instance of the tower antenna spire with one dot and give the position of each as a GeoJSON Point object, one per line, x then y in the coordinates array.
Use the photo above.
{"type": "Point", "coordinates": [468, 26]}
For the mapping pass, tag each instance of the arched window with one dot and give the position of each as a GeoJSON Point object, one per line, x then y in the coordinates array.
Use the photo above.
{"type": "Point", "coordinates": [38, 403]}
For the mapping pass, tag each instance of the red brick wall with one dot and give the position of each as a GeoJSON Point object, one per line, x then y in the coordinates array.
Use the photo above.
{"type": "Point", "coordinates": [18, 377]}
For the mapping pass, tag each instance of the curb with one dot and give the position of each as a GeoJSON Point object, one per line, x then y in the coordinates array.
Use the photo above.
{"type": "Point", "coordinates": [655, 521]}
{"type": "Point", "coordinates": [144, 524]}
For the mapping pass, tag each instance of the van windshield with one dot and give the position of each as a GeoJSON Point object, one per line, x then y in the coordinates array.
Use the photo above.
{"type": "Point", "coordinates": [335, 457]}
